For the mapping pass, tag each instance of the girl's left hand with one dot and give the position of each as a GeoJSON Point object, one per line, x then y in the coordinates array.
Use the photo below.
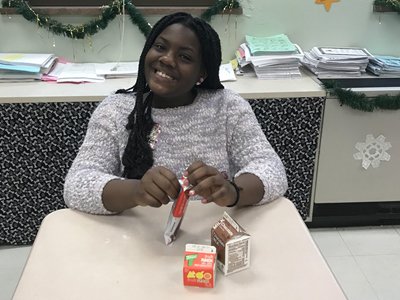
{"type": "Point", "coordinates": [210, 184]}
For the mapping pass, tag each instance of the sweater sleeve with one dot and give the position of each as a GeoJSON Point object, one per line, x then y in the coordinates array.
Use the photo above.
{"type": "Point", "coordinates": [251, 152]}
{"type": "Point", "coordinates": [96, 163]}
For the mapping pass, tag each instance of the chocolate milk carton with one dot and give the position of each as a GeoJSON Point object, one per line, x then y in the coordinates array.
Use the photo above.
{"type": "Point", "coordinates": [232, 244]}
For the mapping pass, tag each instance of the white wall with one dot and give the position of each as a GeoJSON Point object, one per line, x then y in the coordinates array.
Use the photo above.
{"type": "Point", "coordinates": [349, 23]}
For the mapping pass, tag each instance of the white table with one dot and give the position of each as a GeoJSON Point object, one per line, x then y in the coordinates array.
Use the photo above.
{"type": "Point", "coordinates": [81, 256]}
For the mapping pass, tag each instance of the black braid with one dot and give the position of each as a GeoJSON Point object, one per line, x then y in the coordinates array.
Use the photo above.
{"type": "Point", "coordinates": [138, 156]}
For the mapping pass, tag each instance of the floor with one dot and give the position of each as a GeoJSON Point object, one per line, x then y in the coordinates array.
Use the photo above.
{"type": "Point", "coordinates": [365, 261]}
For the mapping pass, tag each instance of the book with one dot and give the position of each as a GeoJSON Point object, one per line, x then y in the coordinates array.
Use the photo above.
{"type": "Point", "coordinates": [384, 66]}
{"type": "Point", "coordinates": [22, 68]}
{"type": "Point", "coordinates": [15, 76]}
{"type": "Point", "coordinates": [27, 59]}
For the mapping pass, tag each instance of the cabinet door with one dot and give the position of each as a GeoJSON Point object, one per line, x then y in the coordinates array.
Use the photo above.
{"type": "Point", "coordinates": [292, 126]}
{"type": "Point", "coordinates": [38, 142]}
{"type": "Point", "coordinates": [341, 177]}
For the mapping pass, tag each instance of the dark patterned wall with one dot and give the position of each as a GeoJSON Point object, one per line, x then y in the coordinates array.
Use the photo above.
{"type": "Point", "coordinates": [292, 126]}
{"type": "Point", "coordinates": [38, 142]}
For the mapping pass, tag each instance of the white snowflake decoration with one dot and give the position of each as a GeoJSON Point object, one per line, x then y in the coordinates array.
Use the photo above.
{"type": "Point", "coordinates": [372, 151]}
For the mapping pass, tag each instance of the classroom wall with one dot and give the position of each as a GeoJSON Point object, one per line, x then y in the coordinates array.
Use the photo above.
{"type": "Point", "coordinates": [349, 23]}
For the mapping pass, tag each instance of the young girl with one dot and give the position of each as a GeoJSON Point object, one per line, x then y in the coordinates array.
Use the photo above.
{"type": "Point", "coordinates": [176, 120]}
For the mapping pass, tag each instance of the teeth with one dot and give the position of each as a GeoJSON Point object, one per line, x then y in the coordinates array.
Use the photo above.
{"type": "Point", "coordinates": [164, 75]}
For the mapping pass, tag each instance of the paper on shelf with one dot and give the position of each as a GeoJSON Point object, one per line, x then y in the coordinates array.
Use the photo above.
{"type": "Point", "coordinates": [117, 69]}
{"type": "Point", "coordinates": [84, 72]}
{"type": "Point", "coordinates": [26, 59]}
{"type": "Point", "coordinates": [226, 73]}
{"type": "Point", "coordinates": [31, 69]}
{"type": "Point", "coordinates": [279, 43]}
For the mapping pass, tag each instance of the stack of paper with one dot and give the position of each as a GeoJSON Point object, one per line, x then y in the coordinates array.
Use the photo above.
{"type": "Point", "coordinates": [91, 72]}
{"type": "Point", "coordinates": [25, 66]}
{"type": "Point", "coordinates": [330, 62]}
{"type": "Point", "coordinates": [117, 69]}
{"type": "Point", "coordinates": [385, 66]}
{"type": "Point", "coordinates": [272, 57]}
{"type": "Point", "coordinates": [77, 73]}
{"type": "Point", "coordinates": [267, 45]}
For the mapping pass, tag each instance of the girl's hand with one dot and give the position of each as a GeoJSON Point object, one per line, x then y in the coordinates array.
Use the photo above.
{"type": "Point", "coordinates": [210, 184]}
{"type": "Point", "coordinates": [156, 185]}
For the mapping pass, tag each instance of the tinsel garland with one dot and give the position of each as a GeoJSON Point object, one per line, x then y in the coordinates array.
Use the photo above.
{"type": "Point", "coordinates": [80, 31]}
{"type": "Point", "coordinates": [391, 4]}
{"type": "Point", "coordinates": [360, 101]}
{"type": "Point", "coordinates": [108, 14]}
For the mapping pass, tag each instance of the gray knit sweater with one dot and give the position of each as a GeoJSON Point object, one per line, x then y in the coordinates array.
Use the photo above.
{"type": "Point", "coordinates": [219, 128]}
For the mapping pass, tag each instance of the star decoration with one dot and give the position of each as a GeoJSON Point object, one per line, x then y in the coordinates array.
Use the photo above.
{"type": "Point", "coordinates": [327, 3]}
{"type": "Point", "coordinates": [373, 151]}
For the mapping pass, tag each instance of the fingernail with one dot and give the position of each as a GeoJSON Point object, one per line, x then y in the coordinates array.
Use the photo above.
{"type": "Point", "coordinates": [185, 173]}
{"type": "Point", "coordinates": [185, 182]}
{"type": "Point", "coordinates": [204, 201]}
{"type": "Point", "coordinates": [192, 193]}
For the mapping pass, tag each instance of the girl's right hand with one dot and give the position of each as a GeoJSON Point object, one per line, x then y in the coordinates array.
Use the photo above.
{"type": "Point", "coordinates": [156, 186]}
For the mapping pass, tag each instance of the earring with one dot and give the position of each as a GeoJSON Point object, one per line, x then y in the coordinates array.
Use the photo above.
{"type": "Point", "coordinates": [200, 81]}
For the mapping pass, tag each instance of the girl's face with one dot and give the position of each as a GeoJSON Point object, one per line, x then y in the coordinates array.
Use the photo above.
{"type": "Point", "coordinates": [173, 65]}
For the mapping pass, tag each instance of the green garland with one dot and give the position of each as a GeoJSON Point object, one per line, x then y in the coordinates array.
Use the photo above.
{"type": "Point", "coordinates": [391, 4]}
{"type": "Point", "coordinates": [218, 7]}
{"type": "Point", "coordinates": [359, 100]}
{"type": "Point", "coordinates": [108, 14]}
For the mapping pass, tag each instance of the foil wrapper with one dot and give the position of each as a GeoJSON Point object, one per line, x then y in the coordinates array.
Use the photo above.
{"type": "Point", "coordinates": [177, 212]}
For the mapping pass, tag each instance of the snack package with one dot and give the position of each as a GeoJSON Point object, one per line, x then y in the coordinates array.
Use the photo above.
{"type": "Point", "coordinates": [232, 243]}
{"type": "Point", "coordinates": [199, 265]}
{"type": "Point", "coordinates": [177, 212]}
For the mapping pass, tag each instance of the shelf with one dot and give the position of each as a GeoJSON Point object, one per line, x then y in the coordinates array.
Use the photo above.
{"type": "Point", "coordinates": [96, 11]}
{"type": "Point", "coordinates": [381, 8]}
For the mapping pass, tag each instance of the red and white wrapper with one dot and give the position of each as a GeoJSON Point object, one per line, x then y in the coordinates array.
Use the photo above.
{"type": "Point", "coordinates": [177, 212]}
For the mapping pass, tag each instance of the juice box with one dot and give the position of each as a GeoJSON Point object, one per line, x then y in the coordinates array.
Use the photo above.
{"type": "Point", "coordinates": [199, 265]}
{"type": "Point", "coordinates": [232, 243]}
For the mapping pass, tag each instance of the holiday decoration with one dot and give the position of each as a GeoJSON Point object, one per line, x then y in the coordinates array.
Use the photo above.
{"type": "Point", "coordinates": [360, 101]}
{"type": "Point", "coordinates": [373, 151]}
{"type": "Point", "coordinates": [109, 12]}
{"type": "Point", "coordinates": [326, 3]}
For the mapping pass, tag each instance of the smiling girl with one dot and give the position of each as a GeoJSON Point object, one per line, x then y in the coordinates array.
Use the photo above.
{"type": "Point", "coordinates": [177, 119]}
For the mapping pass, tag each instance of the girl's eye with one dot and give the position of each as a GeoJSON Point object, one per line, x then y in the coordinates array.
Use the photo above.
{"type": "Point", "coordinates": [158, 47]}
{"type": "Point", "coordinates": [186, 58]}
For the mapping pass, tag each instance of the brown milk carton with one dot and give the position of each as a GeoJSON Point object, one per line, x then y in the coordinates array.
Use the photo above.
{"type": "Point", "coordinates": [232, 244]}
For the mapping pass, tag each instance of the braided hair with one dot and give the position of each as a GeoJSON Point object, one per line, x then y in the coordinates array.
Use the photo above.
{"type": "Point", "coordinates": [138, 155]}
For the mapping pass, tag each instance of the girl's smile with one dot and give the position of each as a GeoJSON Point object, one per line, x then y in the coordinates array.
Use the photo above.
{"type": "Point", "coordinates": [164, 76]}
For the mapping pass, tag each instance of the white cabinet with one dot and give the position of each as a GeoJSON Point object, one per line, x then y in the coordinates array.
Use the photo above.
{"type": "Point", "coordinates": [340, 177]}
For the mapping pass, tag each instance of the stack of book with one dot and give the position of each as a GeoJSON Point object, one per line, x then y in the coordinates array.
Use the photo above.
{"type": "Point", "coordinates": [25, 66]}
{"type": "Point", "coordinates": [274, 57]}
{"type": "Point", "coordinates": [384, 66]}
{"type": "Point", "coordinates": [331, 62]}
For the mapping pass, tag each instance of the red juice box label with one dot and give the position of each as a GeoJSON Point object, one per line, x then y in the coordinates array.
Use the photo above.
{"type": "Point", "coordinates": [199, 265]}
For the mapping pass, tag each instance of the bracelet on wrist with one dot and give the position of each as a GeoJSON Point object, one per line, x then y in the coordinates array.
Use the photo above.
{"type": "Point", "coordinates": [237, 189]}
